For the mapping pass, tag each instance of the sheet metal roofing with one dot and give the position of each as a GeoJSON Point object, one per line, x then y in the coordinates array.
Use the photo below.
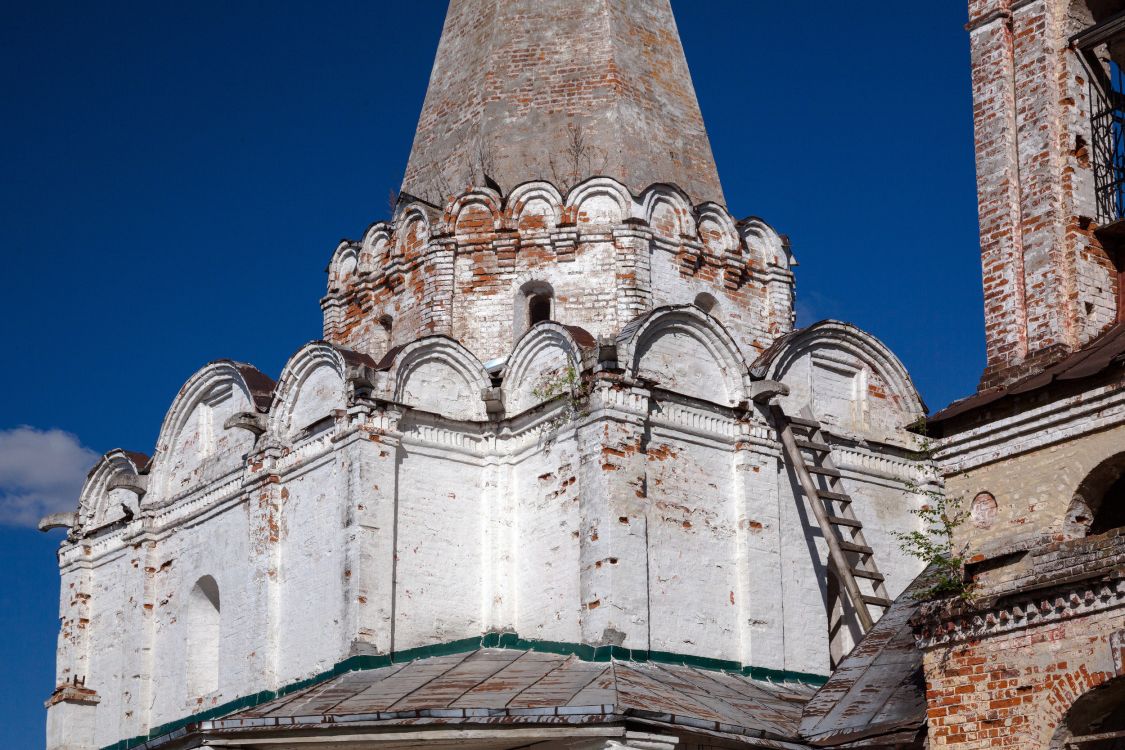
{"type": "Point", "coordinates": [877, 692]}
{"type": "Point", "coordinates": [1100, 355]}
{"type": "Point", "coordinates": [510, 687]}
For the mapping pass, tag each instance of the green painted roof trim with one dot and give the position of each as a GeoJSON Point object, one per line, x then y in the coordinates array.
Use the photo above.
{"type": "Point", "coordinates": [507, 640]}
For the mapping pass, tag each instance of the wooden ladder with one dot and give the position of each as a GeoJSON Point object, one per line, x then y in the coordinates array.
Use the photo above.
{"type": "Point", "coordinates": [850, 555]}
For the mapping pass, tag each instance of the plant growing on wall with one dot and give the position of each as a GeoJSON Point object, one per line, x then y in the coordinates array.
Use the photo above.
{"type": "Point", "coordinates": [564, 382]}
{"type": "Point", "coordinates": [579, 159]}
{"type": "Point", "coordinates": [935, 543]}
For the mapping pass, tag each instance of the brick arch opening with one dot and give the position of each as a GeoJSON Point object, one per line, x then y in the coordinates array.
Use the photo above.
{"type": "Point", "coordinates": [535, 303]}
{"type": "Point", "coordinates": [1098, 504]}
{"type": "Point", "coordinates": [1096, 721]}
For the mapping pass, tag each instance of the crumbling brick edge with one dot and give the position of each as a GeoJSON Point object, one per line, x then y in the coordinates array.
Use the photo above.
{"type": "Point", "coordinates": [502, 640]}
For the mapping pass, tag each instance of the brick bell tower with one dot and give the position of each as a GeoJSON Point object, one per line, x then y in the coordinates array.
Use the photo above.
{"type": "Point", "coordinates": [1032, 657]}
{"type": "Point", "coordinates": [1047, 111]}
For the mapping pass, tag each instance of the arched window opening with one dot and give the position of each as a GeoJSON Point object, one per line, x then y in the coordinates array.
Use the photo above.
{"type": "Point", "coordinates": [535, 303]}
{"type": "Point", "coordinates": [202, 642]}
{"type": "Point", "coordinates": [705, 302]}
{"type": "Point", "coordinates": [1096, 721]}
{"type": "Point", "coordinates": [538, 309]}
{"type": "Point", "coordinates": [387, 322]}
{"type": "Point", "coordinates": [1099, 502]}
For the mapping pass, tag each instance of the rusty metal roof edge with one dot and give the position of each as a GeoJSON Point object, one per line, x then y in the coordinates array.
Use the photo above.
{"type": "Point", "coordinates": [843, 739]}
{"type": "Point", "coordinates": [1089, 360]}
{"type": "Point", "coordinates": [551, 715]}
{"type": "Point", "coordinates": [550, 712]}
{"type": "Point", "coordinates": [492, 640]}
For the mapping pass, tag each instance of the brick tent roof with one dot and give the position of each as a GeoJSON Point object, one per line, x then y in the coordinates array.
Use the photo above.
{"type": "Point", "coordinates": [506, 687]}
{"type": "Point", "coordinates": [560, 91]}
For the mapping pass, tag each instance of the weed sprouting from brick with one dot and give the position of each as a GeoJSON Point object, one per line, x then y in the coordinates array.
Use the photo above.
{"type": "Point", "coordinates": [566, 382]}
{"type": "Point", "coordinates": [935, 543]}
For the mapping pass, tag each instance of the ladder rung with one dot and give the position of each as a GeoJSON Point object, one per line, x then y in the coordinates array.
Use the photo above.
{"type": "Point", "coordinates": [841, 521]}
{"type": "Point", "coordinates": [813, 446]}
{"type": "Point", "coordinates": [862, 549]}
{"type": "Point", "coordinates": [811, 424]}
{"type": "Point", "coordinates": [870, 575]}
{"type": "Point", "coordinates": [825, 470]}
{"type": "Point", "coordinates": [878, 601]}
{"type": "Point", "coordinates": [839, 497]}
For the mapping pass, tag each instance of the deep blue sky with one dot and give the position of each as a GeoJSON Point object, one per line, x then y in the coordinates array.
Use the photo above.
{"type": "Point", "coordinates": [176, 176]}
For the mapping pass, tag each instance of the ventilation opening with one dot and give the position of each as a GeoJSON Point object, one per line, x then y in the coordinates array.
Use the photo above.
{"type": "Point", "coordinates": [202, 642]}
{"type": "Point", "coordinates": [387, 322]}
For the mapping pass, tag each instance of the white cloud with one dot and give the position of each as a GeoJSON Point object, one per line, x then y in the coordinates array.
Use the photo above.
{"type": "Point", "coordinates": [41, 472]}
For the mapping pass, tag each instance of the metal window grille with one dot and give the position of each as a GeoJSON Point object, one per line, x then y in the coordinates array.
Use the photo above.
{"type": "Point", "coordinates": [1107, 114]}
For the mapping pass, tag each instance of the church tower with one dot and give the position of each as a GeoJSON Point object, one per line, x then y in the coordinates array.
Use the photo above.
{"type": "Point", "coordinates": [1036, 458]}
{"type": "Point", "coordinates": [560, 470]}
{"type": "Point", "coordinates": [542, 122]}
{"type": "Point", "coordinates": [1047, 116]}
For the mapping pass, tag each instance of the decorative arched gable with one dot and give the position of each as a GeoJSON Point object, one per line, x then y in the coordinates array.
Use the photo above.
{"type": "Point", "coordinates": [717, 231]}
{"type": "Point", "coordinates": [668, 211]}
{"type": "Point", "coordinates": [375, 247]}
{"type": "Point", "coordinates": [680, 348]}
{"type": "Point", "coordinates": [312, 387]}
{"type": "Point", "coordinates": [600, 200]}
{"type": "Point", "coordinates": [546, 354]}
{"type": "Point", "coordinates": [344, 265]}
{"type": "Point", "coordinates": [112, 490]}
{"type": "Point", "coordinates": [535, 207]}
{"type": "Point", "coordinates": [439, 375]}
{"type": "Point", "coordinates": [851, 380]}
{"type": "Point", "coordinates": [764, 244]}
{"type": "Point", "coordinates": [194, 447]}
{"type": "Point", "coordinates": [476, 212]}
{"type": "Point", "coordinates": [413, 231]}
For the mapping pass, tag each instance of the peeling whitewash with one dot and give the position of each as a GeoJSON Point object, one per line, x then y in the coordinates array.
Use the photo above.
{"type": "Point", "coordinates": [380, 509]}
